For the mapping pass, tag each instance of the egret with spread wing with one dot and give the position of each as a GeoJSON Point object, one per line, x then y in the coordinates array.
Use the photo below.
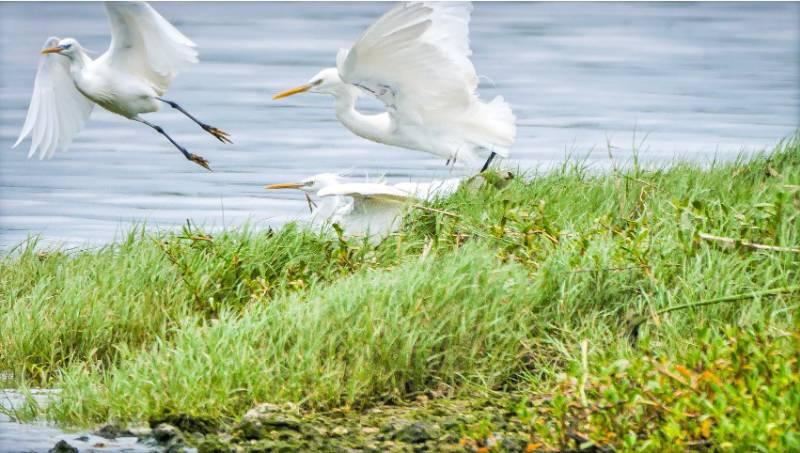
{"type": "Point", "coordinates": [415, 59]}
{"type": "Point", "coordinates": [146, 53]}
{"type": "Point", "coordinates": [365, 208]}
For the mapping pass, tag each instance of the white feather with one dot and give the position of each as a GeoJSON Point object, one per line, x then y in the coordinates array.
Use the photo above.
{"type": "Point", "coordinates": [144, 44]}
{"type": "Point", "coordinates": [365, 190]}
{"type": "Point", "coordinates": [364, 209]}
{"type": "Point", "coordinates": [430, 190]}
{"type": "Point", "coordinates": [57, 111]}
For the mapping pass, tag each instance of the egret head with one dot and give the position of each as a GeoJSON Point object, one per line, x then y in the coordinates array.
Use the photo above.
{"type": "Point", "coordinates": [68, 47]}
{"type": "Point", "coordinates": [326, 81]}
{"type": "Point", "coordinates": [312, 184]}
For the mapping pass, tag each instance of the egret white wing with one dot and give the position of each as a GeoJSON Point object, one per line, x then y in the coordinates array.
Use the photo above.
{"type": "Point", "coordinates": [431, 189]}
{"type": "Point", "coordinates": [57, 111]}
{"type": "Point", "coordinates": [415, 59]}
{"type": "Point", "coordinates": [143, 43]}
{"type": "Point", "coordinates": [375, 208]}
{"type": "Point", "coordinates": [365, 190]}
{"type": "Point", "coordinates": [372, 217]}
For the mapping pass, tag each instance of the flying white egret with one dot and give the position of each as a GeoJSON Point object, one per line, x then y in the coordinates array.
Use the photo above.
{"type": "Point", "coordinates": [415, 59]}
{"type": "Point", "coordinates": [145, 54]}
{"type": "Point", "coordinates": [365, 208]}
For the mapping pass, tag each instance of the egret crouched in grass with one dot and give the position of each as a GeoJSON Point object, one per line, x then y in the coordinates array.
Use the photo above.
{"type": "Point", "coordinates": [415, 59]}
{"type": "Point", "coordinates": [364, 208]}
{"type": "Point", "coordinates": [146, 53]}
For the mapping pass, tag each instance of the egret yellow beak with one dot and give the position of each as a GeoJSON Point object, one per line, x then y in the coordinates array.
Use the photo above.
{"type": "Point", "coordinates": [285, 185]}
{"type": "Point", "coordinates": [289, 92]}
{"type": "Point", "coordinates": [51, 50]}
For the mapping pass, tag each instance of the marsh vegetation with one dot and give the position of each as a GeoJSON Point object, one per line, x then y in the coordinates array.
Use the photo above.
{"type": "Point", "coordinates": [536, 305]}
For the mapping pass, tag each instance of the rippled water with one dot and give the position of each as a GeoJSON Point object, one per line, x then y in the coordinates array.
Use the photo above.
{"type": "Point", "coordinates": [40, 437]}
{"type": "Point", "coordinates": [698, 80]}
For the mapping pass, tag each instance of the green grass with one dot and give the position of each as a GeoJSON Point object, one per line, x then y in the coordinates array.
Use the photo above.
{"type": "Point", "coordinates": [490, 290]}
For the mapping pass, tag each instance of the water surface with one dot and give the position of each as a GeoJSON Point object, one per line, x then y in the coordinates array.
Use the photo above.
{"type": "Point", "coordinates": [698, 80]}
{"type": "Point", "coordinates": [41, 437]}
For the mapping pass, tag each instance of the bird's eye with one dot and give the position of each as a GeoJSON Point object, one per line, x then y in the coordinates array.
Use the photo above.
{"type": "Point", "coordinates": [66, 46]}
{"type": "Point", "coordinates": [316, 82]}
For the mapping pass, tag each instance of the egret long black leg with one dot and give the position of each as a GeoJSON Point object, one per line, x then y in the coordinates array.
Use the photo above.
{"type": "Point", "coordinates": [222, 136]}
{"type": "Point", "coordinates": [488, 161]}
{"type": "Point", "coordinates": [191, 156]}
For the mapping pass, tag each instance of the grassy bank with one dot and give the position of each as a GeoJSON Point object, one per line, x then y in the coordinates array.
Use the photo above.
{"type": "Point", "coordinates": [545, 288]}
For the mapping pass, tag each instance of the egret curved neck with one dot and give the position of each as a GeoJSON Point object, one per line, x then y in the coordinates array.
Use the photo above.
{"type": "Point", "coordinates": [78, 62]}
{"type": "Point", "coordinates": [372, 127]}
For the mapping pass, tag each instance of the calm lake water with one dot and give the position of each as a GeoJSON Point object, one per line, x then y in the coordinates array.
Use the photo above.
{"type": "Point", "coordinates": [699, 80]}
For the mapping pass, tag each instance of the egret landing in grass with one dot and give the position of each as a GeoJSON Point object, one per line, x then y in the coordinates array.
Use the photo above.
{"type": "Point", "coordinates": [415, 59]}
{"type": "Point", "coordinates": [364, 208]}
{"type": "Point", "coordinates": [146, 53]}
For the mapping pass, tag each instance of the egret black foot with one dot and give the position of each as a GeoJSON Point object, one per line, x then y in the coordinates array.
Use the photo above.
{"type": "Point", "coordinates": [222, 136]}
{"type": "Point", "coordinates": [199, 161]}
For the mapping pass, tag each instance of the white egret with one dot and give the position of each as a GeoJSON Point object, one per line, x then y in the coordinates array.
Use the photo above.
{"type": "Point", "coordinates": [129, 79]}
{"type": "Point", "coordinates": [365, 208]}
{"type": "Point", "coordinates": [415, 59]}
